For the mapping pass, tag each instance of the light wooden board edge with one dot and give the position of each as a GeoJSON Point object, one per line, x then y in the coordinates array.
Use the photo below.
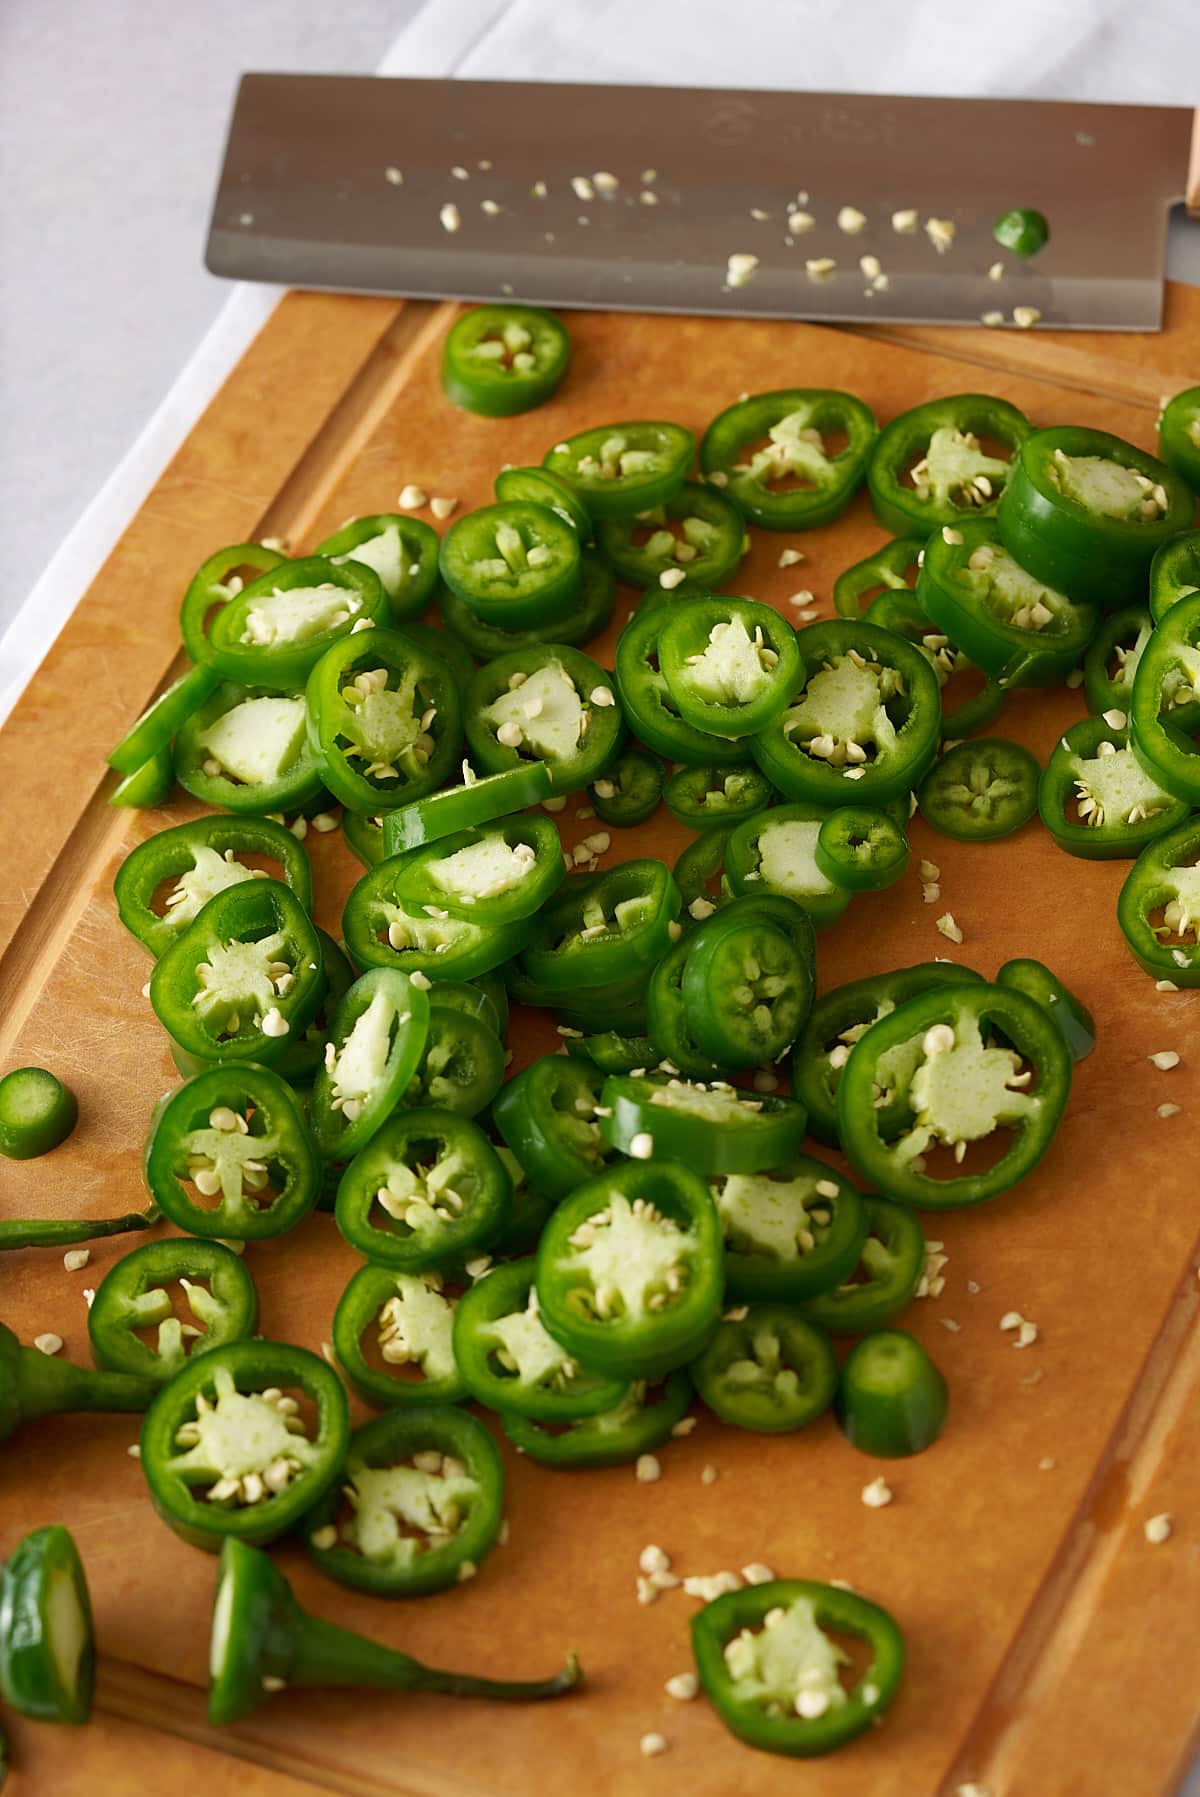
{"type": "Point", "coordinates": [323, 437]}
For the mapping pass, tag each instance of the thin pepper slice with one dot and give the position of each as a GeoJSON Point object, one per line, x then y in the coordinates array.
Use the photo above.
{"type": "Point", "coordinates": [412, 1316]}
{"type": "Point", "coordinates": [381, 930]}
{"type": "Point", "coordinates": [790, 1232]}
{"type": "Point", "coordinates": [1179, 435]}
{"type": "Point", "coordinates": [714, 1127]}
{"type": "Point", "coordinates": [981, 790]}
{"type": "Point", "coordinates": [931, 466]}
{"type": "Point", "coordinates": [512, 1364]}
{"type": "Point", "coordinates": [550, 704]}
{"type": "Point", "coordinates": [539, 487]}
{"type": "Point", "coordinates": [704, 798]}
{"type": "Point", "coordinates": [427, 1190]}
{"type": "Point", "coordinates": [629, 789]}
{"type": "Point", "coordinates": [606, 932]}
{"type": "Point", "coordinates": [491, 874]}
{"type": "Point", "coordinates": [200, 859]}
{"type": "Point", "coordinates": [47, 1647]}
{"type": "Point", "coordinates": [649, 705]}
{"type": "Point", "coordinates": [775, 852]}
{"type": "Point", "coordinates": [747, 981]}
{"type": "Point", "coordinates": [547, 1115]}
{"type": "Point", "coordinates": [730, 664]}
{"type": "Point", "coordinates": [1174, 572]}
{"type": "Point", "coordinates": [861, 849]}
{"type": "Point", "coordinates": [698, 558]}
{"type": "Point", "coordinates": [133, 1297]}
{"type": "Point", "coordinates": [148, 786]}
{"type": "Point", "coordinates": [501, 360]}
{"type": "Point", "coordinates": [644, 1419]}
{"type": "Point", "coordinates": [1158, 907]}
{"type": "Point", "coordinates": [1096, 798]}
{"type": "Point", "coordinates": [218, 580]}
{"type": "Point", "coordinates": [461, 1068]}
{"type": "Point", "coordinates": [1113, 655]}
{"type": "Point", "coordinates": [961, 716]}
{"type": "Point", "coordinates": [790, 482]}
{"type": "Point", "coordinates": [485, 639]}
{"type": "Point", "coordinates": [402, 551]}
{"type": "Point", "coordinates": [61, 1232]}
{"type": "Point", "coordinates": [373, 1046]}
{"type": "Point", "coordinates": [884, 1279]}
{"type": "Point", "coordinates": [162, 720]}
{"type": "Point", "coordinates": [275, 630]}
{"type": "Point", "coordinates": [1036, 980]}
{"type": "Point", "coordinates": [466, 807]}
{"type": "Point", "coordinates": [1166, 690]}
{"type": "Point", "coordinates": [617, 469]}
{"type": "Point", "coordinates": [515, 564]}
{"type": "Point", "coordinates": [246, 750]}
{"type": "Point", "coordinates": [769, 1370]}
{"type": "Point", "coordinates": [890, 569]}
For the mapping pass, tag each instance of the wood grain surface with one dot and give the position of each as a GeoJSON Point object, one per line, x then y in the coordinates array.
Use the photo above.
{"type": "Point", "coordinates": [1053, 1651]}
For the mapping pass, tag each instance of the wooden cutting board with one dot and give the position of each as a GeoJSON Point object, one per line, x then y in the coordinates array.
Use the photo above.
{"type": "Point", "coordinates": [1053, 1651]}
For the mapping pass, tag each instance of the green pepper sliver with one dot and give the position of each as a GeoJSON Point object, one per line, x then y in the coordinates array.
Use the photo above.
{"type": "Point", "coordinates": [1114, 652]}
{"type": "Point", "coordinates": [715, 1127]}
{"type": "Point", "coordinates": [154, 730]}
{"type": "Point", "coordinates": [640, 1423]}
{"type": "Point", "coordinates": [226, 1451]}
{"type": "Point", "coordinates": [148, 786]}
{"type": "Point", "coordinates": [629, 789]}
{"type": "Point", "coordinates": [617, 469]}
{"type": "Point", "coordinates": [466, 807]}
{"type": "Point", "coordinates": [547, 1116]}
{"type": "Point", "coordinates": [373, 1046]}
{"type": "Point", "coordinates": [515, 564]}
{"type": "Point", "coordinates": [791, 482]}
{"type": "Point", "coordinates": [884, 1279]}
{"type": "Point", "coordinates": [1036, 980]}
{"type": "Point", "coordinates": [426, 1490]}
{"type": "Point", "coordinates": [47, 1649]}
{"type": "Point", "coordinates": [981, 790]}
{"type": "Point", "coordinates": [892, 1400]}
{"type": "Point", "coordinates": [770, 1668]}
{"type": "Point", "coordinates": [1179, 435]}
{"type": "Point", "coordinates": [790, 1232]}
{"type": "Point", "coordinates": [200, 859]}
{"type": "Point", "coordinates": [629, 1273]}
{"type": "Point", "coordinates": [708, 547]}
{"type": "Point", "coordinates": [929, 466]}
{"type": "Point", "coordinates": [262, 1642]}
{"type": "Point", "coordinates": [1166, 689]}
{"type": "Point", "coordinates": [276, 629]}
{"type": "Point", "coordinates": [229, 1155]}
{"type": "Point", "coordinates": [1174, 572]}
{"type": "Point", "coordinates": [769, 1369]}
{"type": "Point", "coordinates": [1158, 908]}
{"type": "Point", "coordinates": [647, 702]}
{"type": "Point", "coordinates": [402, 551]}
{"type": "Point", "coordinates": [730, 664]}
{"type": "Point", "coordinates": [462, 1066]}
{"type": "Point", "coordinates": [606, 932]}
{"type": "Point", "coordinates": [384, 720]}
{"type": "Point", "coordinates": [133, 1296]}
{"type": "Point", "coordinates": [1097, 799]}
{"type": "Point", "coordinates": [37, 1113]}
{"type": "Point", "coordinates": [427, 1190]}
{"type": "Point", "coordinates": [512, 1364]}
{"type": "Point", "coordinates": [381, 930]}
{"type": "Point", "coordinates": [34, 1384]}
{"type": "Point", "coordinates": [500, 360]}
{"type": "Point", "coordinates": [1085, 512]}
{"type": "Point", "coordinates": [413, 1319]}
{"type": "Point", "coordinates": [966, 1086]}
{"type": "Point", "coordinates": [885, 571]}
{"type": "Point", "coordinates": [550, 704]}
{"type": "Point", "coordinates": [218, 580]}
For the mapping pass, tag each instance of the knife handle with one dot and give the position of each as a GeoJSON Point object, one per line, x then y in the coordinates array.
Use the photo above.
{"type": "Point", "coordinates": [1192, 194]}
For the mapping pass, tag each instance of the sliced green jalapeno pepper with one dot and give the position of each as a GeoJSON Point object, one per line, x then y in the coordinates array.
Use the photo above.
{"type": "Point", "coordinates": [702, 798]}
{"type": "Point", "coordinates": [1074, 1020]}
{"type": "Point", "coordinates": [1158, 908]}
{"type": "Point", "coordinates": [1112, 658]}
{"type": "Point", "coordinates": [218, 580]}
{"type": "Point", "coordinates": [364, 837]}
{"type": "Point", "coordinates": [152, 734]}
{"type": "Point", "coordinates": [230, 1157]}
{"type": "Point", "coordinates": [274, 631]}
{"type": "Point", "coordinates": [1166, 690]}
{"type": "Point", "coordinates": [512, 1364]}
{"type": "Point", "coordinates": [226, 1453]}
{"type": "Point", "coordinates": [374, 1044]}
{"type": "Point", "coordinates": [790, 482]}
{"type": "Point", "coordinates": [425, 1191]}
{"type": "Point", "coordinates": [929, 467]}
{"type": "Point", "coordinates": [767, 1661]}
{"type": "Point", "coordinates": [776, 852]}
{"type": "Point", "coordinates": [729, 664]}
{"type": "Point", "coordinates": [426, 1489]}
{"type": "Point", "coordinates": [492, 874]}
{"type": "Point", "coordinates": [861, 849]}
{"type": "Point", "coordinates": [668, 1026]}
{"type": "Point", "coordinates": [981, 790]}
{"type": "Point", "coordinates": [609, 931]}
{"type": "Point", "coordinates": [148, 786]}
{"type": "Point", "coordinates": [892, 569]}
{"type": "Point", "coordinates": [462, 1066]}
{"type": "Point", "coordinates": [47, 1649]}
{"type": "Point", "coordinates": [629, 789]}
{"type": "Point", "coordinates": [892, 1400]}
{"type": "Point", "coordinates": [902, 613]}
{"type": "Point", "coordinates": [381, 930]}
{"type": "Point", "coordinates": [246, 749]}
{"type": "Point", "coordinates": [552, 704]}
{"type": "Point", "coordinates": [402, 551]}
{"type": "Point", "coordinates": [243, 977]}
{"type": "Point", "coordinates": [770, 1370]}
{"type": "Point", "coordinates": [629, 1273]}
{"type": "Point", "coordinates": [980, 1047]}
{"type": "Point", "coordinates": [620, 1006]}
{"type": "Point", "coordinates": [617, 469]}
{"type": "Point", "coordinates": [537, 486]}
{"type": "Point", "coordinates": [132, 1296]}
{"type": "Point", "coordinates": [837, 1021]}
{"type": "Point", "coordinates": [1179, 435]}
{"type": "Point", "coordinates": [700, 874]}
{"type": "Point", "coordinates": [706, 550]}
{"type": "Point", "coordinates": [500, 360]}
{"type": "Point", "coordinates": [1096, 798]}
{"type": "Point", "coordinates": [37, 1113]}
{"type": "Point", "coordinates": [589, 615]}
{"type": "Point", "coordinates": [649, 705]}
{"type": "Point", "coordinates": [34, 1384]}
{"type": "Point", "coordinates": [747, 981]}
{"type": "Point", "coordinates": [642, 1421]}
{"type": "Point", "coordinates": [1013, 626]}
{"type": "Point", "coordinates": [515, 564]}
{"type": "Point", "coordinates": [1174, 572]}
{"type": "Point", "coordinates": [459, 808]}
{"type": "Point", "coordinates": [200, 859]}
{"type": "Point", "coordinates": [790, 1232]}
{"type": "Point", "coordinates": [865, 722]}
{"type": "Point", "coordinates": [413, 1322]}
{"type": "Point", "coordinates": [884, 1279]}
{"type": "Point", "coordinates": [1085, 512]}
{"type": "Point", "coordinates": [714, 1127]}
{"type": "Point", "coordinates": [384, 720]}
{"type": "Point", "coordinates": [304, 1053]}
{"type": "Point", "coordinates": [547, 1116]}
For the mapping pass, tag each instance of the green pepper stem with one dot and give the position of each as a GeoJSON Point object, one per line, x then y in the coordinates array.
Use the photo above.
{"type": "Point", "coordinates": [60, 1232]}
{"type": "Point", "coordinates": [324, 1654]}
{"type": "Point", "coordinates": [47, 1386]}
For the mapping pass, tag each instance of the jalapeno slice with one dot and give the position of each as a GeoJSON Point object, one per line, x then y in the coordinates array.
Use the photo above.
{"type": "Point", "coordinates": [150, 737]}
{"type": "Point", "coordinates": [747, 982]}
{"type": "Point", "coordinates": [769, 1663]}
{"type": "Point", "coordinates": [375, 1040]}
{"type": "Point", "coordinates": [961, 715]}
{"type": "Point", "coordinates": [382, 930]}
{"type": "Point", "coordinates": [426, 1190]}
{"type": "Point", "coordinates": [861, 849]}
{"type": "Point", "coordinates": [776, 852]}
{"type": "Point", "coordinates": [246, 749]}
{"type": "Point", "coordinates": [273, 632]}
{"type": "Point", "coordinates": [537, 486]}
{"type": "Point", "coordinates": [589, 615]}
{"type": "Point", "coordinates": [1179, 435]}
{"type": "Point", "coordinates": [649, 705]}
{"type": "Point", "coordinates": [402, 551]}
{"type": "Point", "coordinates": [1166, 689]}
{"type": "Point", "coordinates": [1074, 1020]}
{"type": "Point", "coordinates": [884, 1278]}
{"type": "Point", "coordinates": [629, 789]}
{"type": "Point", "coordinates": [892, 1400]}
{"type": "Point", "coordinates": [1085, 512]}
{"type": "Point", "coordinates": [230, 1156]}
{"type": "Point", "coordinates": [700, 875]}
{"type": "Point", "coordinates": [1023, 230]}
{"type": "Point", "coordinates": [1174, 572]}
{"type": "Point", "coordinates": [552, 704]}
{"type": "Point", "coordinates": [496, 873]}
{"type": "Point", "coordinates": [980, 1048]}
{"type": "Point", "coordinates": [929, 467]}
{"type": "Point", "coordinates": [703, 798]}
{"type": "Point", "coordinates": [981, 790]}
{"type": "Point", "coordinates": [790, 1231]}
{"type": "Point", "coordinates": [609, 931]}
{"type": "Point", "coordinates": [864, 723]}
{"type": "Point", "coordinates": [512, 1364]}
{"type": "Point", "coordinates": [1112, 658]}
{"type": "Point", "coordinates": [37, 1113]}
{"type": "Point", "coordinates": [412, 1317]}
{"type": "Point", "coordinates": [1096, 798]}
{"type": "Point", "coordinates": [218, 580]}
{"type": "Point", "coordinates": [384, 720]}
{"type": "Point", "coordinates": [729, 664]}
{"type": "Point", "coordinates": [457, 809]}
{"type": "Point", "coordinates": [769, 1370]}
{"type": "Point", "coordinates": [611, 1052]}
{"type": "Point", "coordinates": [642, 1421]}
{"type": "Point", "coordinates": [1159, 906]}
{"type": "Point", "coordinates": [363, 837]}
{"type": "Point", "coordinates": [516, 564]}
{"type": "Point", "coordinates": [890, 569]}
{"type": "Point", "coordinates": [629, 1274]}
{"type": "Point", "coordinates": [773, 451]}
{"type": "Point", "coordinates": [222, 1306]}
{"type": "Point", "coordinates": [646, 551]}
{"type": "Point", "coordinates": [618, 469]}
{"type": "Point", "coordinates": [200, 859]}
{"type": "Point", "coordinates": [713, 1126]}
{"type": "Point", "coordinates": [501, 360]}
{"type": "Point", "coordinates": [148, 786]}
{"type": "Point", "coordinates": [461, 1068]}
{"type": "Point", "coordinates": [547, 1116]}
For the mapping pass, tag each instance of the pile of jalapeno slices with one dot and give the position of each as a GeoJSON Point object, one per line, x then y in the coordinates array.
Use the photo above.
{"type": "Point", "coordinates": [577, 1249]}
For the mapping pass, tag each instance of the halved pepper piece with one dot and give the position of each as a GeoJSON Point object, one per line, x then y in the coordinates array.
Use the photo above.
{"type": "Point", "coordinates": [550, 704]}
{"type": "Point", "coordinates": [1096, 798]}
{"type": "Point", "coordinates": [790, 481]}
{"type": "Point", "coordinates": [644, 1420]}
{"type": "Point", "coordinates": [617, 469]}
{"type": "Point", "coordinates": [981, 790]}
{"type": "Point", "coordinates": [501, 360]}
{"type": "Point", "coordinates": [707, 547]}
{"type": "Point", "coordinates": [790, 1231]}
{"type": "Point", "coordinates": [1158, 907]}
{"type": "Point", "coordinates": [402, 551]}
{"type": "Point", "coordinates": [713, 1127]}
{"type": "Point", "coordinates": [932, 465]}
{"type": "Point", "coordinates": [512, 1364]}
{"type": "Point", "coordinates": [47, 1648]}
{"type": "Point", "coordinates": [467, 807]}
{"type": "Point", "coordinates": [412, 1316]}
{"type": "Point", "coordinates": [148, 786]}
{"type": "Point", "coordinates": [133, 1296]}
{"type": "Point", "coordinates": [770, 1370]}
{"type": "Point", "coordinates": [373, 1046]}
{"type": "Point", "coordinates": [384, 720]}
{"type": "Point", "coordinates": [200, 859]}
{"type": "Point", "coordinates": [730, 664]}
{"type": "Point", "coordinates": [892, 1400]}
{"type": "Point", "coordinates": [427, 1190]}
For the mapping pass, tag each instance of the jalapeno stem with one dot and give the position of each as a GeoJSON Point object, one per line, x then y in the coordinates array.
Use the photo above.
{"type": "Point", "coordinates": [35, 1384]}
{"type": "Point", "coordinates": [325, 1654]}
{"type": "Point", "coordinates": [61, 1232]}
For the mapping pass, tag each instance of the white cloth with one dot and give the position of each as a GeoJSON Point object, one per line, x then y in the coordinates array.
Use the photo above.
{"type": "Point", "coordinates": [1075, 49]}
